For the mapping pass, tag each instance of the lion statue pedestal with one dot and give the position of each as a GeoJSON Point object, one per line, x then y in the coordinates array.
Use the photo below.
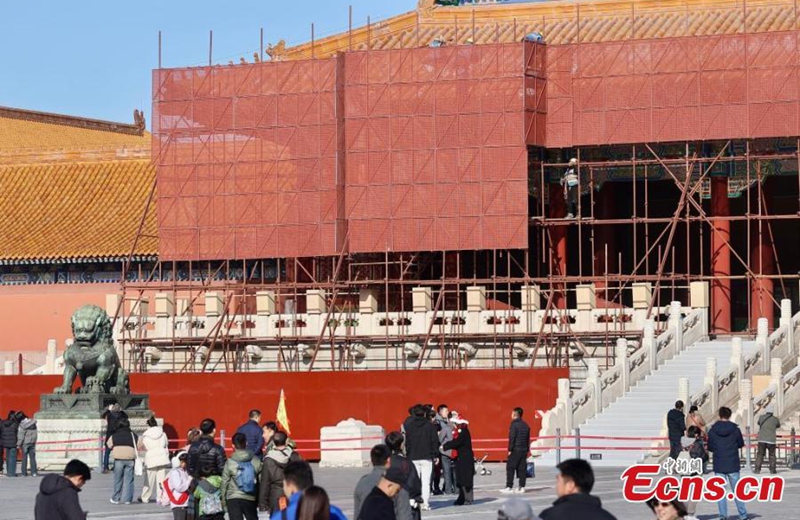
{"type": "Point", "coordinates": [71, 425]}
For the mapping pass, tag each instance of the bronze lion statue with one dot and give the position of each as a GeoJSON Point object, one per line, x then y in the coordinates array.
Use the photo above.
{"type": "Point", "coordinates": [92, 356]}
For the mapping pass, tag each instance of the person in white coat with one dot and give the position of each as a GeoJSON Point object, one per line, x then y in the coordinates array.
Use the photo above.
{"type": "Point", "coordinates": [154, 447]}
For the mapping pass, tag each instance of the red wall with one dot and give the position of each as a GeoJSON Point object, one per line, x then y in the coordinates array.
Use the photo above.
{"type": "Point", "coordinates": [484, 397]}
{"type": "Point", "coordinates": [32, 314]}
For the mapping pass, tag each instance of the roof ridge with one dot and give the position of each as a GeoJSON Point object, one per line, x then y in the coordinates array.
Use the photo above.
{"type": "Point", "coordinates": [137, 128]}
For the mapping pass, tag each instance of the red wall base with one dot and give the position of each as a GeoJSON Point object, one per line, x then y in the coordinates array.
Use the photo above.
{"type": "Point", "coordinates": [314, 400]}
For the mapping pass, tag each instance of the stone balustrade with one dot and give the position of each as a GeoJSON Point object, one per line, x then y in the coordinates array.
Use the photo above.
{"type": "Point", "coordinates": [175, 320]}
{"type": "Point", "coordinates": [774, 354]}
{"type": "Point", "coordinates": [633, 361]}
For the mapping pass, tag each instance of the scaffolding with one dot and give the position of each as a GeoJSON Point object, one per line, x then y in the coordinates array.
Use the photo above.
{"type": "Point", "coordinates": [714, 202]}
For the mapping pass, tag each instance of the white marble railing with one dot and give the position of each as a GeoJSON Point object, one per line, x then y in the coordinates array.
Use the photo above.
{"type": "Point", "coordinates": [774, 353]}
{"type": "Point", "coordinates": [633, 361]}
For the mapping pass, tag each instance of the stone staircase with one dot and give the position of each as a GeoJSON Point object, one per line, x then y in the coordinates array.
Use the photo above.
{"type": "Point", "coordinates": [641, 411]}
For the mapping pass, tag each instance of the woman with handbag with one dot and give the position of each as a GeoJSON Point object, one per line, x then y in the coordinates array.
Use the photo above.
{"type": "Point", "coordinates": [126, 458]}
{"type": "Point", "coordinates": [154, 448]}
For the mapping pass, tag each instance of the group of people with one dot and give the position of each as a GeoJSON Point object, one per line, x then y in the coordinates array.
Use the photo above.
{"type": "Point", "coordinates": [200, 482]}
{"type": "Point", "coordinates": [690, 438]}
{"type": "Point", "coordinates": [18, 433]}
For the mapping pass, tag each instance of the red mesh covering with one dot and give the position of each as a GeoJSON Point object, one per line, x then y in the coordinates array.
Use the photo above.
{"type": "Point", "coordinates": [673, 89]}
{"type": "Point", "coordinates": [436, 155]}
{"type": "Point", "coordinates": [247, 160]}
{"type": "Point", "coordinates": [406, 150]}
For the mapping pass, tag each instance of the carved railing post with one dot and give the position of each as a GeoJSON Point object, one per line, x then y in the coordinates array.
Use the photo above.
{"type": "Point", "coordinates": [565, 400]}
{"type": "Point", "coordinates": [593, 379]}
{"type": "Point", "coordinates": [737, 360]}
{"type": "Point", "coordinates": [649, 342]}
{"type": "Point", "coordinates": [711, 381]}
{"type": "Point", "coordinates": [746, 401]}
{"type": "Point", "coordinates": [762, 343]}
{"type": "Point", "coordinates": [621, 358]}
{"type": "Point", "coordinates": [683, 389]}
{"type": "Point", "coordinates": [776, 380]}
{"type": "Point", "coordinates": [786, 321]}
{"type": "Point", "coordinates": [676, 324]}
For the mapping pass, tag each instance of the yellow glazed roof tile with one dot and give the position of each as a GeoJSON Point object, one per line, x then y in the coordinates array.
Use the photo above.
{"type": "Point", "coordinates": [62, 211]}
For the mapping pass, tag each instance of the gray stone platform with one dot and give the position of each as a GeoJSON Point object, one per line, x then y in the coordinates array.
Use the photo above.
{"type": "Point", "coordinates": [17, 496]}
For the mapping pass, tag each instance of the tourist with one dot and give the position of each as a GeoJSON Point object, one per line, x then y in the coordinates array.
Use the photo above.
{"type": "Point", "coordinates": [445, 456]}
{"type": "Point", "coordinates": [574, 482]}
{"type": "Point", "coordinates": [113, 414]}
{"type": "Point", "coordinates": [695, 419]}
{"type": "Point", "coordinates": [192, 436]}
{"type": "Point", "coordinates": [155, 446]}
{"type": "Point", "coordinates": [519, 441]}
{"type": "Point", "coordinates": [240, 481]}
{"type": "Point", "coordinates": [422, 447]}
{"type": "Point", "coordinates": [314, 505]}
{"type": "Point", "coordinates": [208, 494]}
{"type": "Point", "coordinates": [9, 430]}
{"type": "Point", "coordinates": [412, 487]}
{"type": "Point", "coordinates": [379, 504]}
{"type": "Point", "coordinates": [58, 495]}
{"type": "Point", "coordinates": [676, 426]}
{"type": "Point", "coordinates": [693, 447]}
{"type": "Point", "coordinates": [123, 449]}
{"type": "Point", "coordinates": [465, 461]}
{"type": "Point", "coordinates": [271, 485]}
{"type": "Point", "coordinates": [176, 488]}
{"type": "Point", "coordinates": [205, 452]}
{"type": "Point", "coordinates": [26, 442]}
{"type": "Point", "coordinates": [379, 455]}
{"type": "Point", "coordinates": [253, 432]}
{"type": "Point", "coordinates": [570, 182]}
{"type": "Point", "coordinates": [298, 477]}
{"type": "Point", "coordinates": [724, 441]}
{"type": "Point", "coordinates": [269, 429]}
{"type": "Point", "coordinates": [768, 425]}
{"type": "Point", "coordinates": [516, 509]}
{"type": "Point", "coordinates": [674, 510]}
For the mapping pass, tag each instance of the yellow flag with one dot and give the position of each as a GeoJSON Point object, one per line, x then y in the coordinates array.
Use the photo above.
{"type": "Point", "coordinates": [282, 416]}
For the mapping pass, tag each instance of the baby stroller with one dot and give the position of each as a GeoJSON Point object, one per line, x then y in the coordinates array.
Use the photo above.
{"type": "Point", "coordinates": [480, 469]}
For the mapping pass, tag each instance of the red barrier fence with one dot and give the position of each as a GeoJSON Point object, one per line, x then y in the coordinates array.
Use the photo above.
{"type": "Point", "coordinates": [318, 399]}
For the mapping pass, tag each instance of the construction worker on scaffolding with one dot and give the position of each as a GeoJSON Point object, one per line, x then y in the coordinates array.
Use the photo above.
{"type": "Point", "coordinates": [570, 183]}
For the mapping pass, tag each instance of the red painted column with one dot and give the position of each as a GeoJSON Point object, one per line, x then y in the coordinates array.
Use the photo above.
{"type": "Point", "coordinates": [762, 262]}
{"type": "Point", "coordinates": [605, 251]}
{"type": "Point", "coordinates": [720, 257]}
{"type": "Point", "coordinates": [558, 235]}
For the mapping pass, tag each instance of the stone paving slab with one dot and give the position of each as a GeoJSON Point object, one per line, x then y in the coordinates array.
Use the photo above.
{"type": "Point", "coordinates": [17, 497]}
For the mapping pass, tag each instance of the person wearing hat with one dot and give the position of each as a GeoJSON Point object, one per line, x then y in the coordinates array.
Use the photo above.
{"type": "Point", "coordinates": [768, 425]}
{"type": "Point", "coordinates": [379, 504]}
{"type": "Point", "coordinates": [465, 460]}
{"type": "Point", "coordinates": [516, 509]}
{"type": "Point", "coordinates": [674, 510]}
{"type": "Point", "coordinates": [570, 183]}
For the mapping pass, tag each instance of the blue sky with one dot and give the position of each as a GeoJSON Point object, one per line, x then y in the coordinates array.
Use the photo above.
{"type": "Point", "coordinates": [93, 58]}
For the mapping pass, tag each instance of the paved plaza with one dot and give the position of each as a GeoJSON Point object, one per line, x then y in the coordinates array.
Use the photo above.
{"type": "Point", "coordinates": [17, 498]}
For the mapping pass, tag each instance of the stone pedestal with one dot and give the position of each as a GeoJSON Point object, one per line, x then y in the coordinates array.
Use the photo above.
{"type": "Point", "coordinates": [71, 426]}
{"type": "Point", "coordinates": [347, 444]}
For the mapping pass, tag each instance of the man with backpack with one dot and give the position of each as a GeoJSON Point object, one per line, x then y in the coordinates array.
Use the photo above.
{"type": "Point", "coordinates": [271, 485]}
{"type": "Point", "coordinates": [693, 447]}
{"type": "Point", "coordinates": [240, 481]}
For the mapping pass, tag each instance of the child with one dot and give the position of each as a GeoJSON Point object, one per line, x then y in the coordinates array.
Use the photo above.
{"type": "Point", "coordinates": [176, 488]}
{"type": "Point", "coordinates": [208, 495]}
